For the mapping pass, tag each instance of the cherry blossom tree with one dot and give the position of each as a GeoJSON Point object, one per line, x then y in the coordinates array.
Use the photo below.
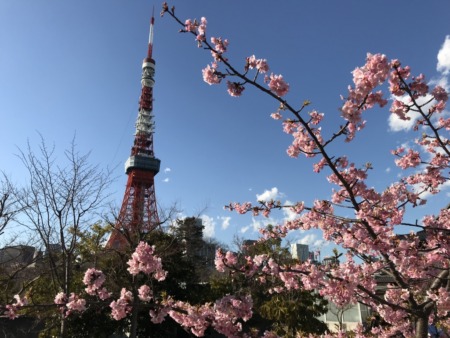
{"type": "Point", "coordinates": [417, 263]}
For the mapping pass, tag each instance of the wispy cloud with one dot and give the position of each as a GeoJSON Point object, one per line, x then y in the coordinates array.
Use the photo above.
{"type": "Point", "coordinates": [257, 224]}
{"type": "Point", "coordinates": [166, 180]}
{"type": "Point", "coordinates": [245, 229]}
{"type": "Point", "coordinates": [443, 57]}
{"type": "Point", "coordinates": [225, 222]}
{"type": "Point", "coordinates": [167, 170]}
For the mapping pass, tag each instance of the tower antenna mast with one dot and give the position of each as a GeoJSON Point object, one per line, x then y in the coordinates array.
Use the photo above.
{"type": "Point", "coordinates": [150, 35]}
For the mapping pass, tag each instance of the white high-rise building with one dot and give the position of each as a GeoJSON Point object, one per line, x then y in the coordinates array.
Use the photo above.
{"type": "Point", "coordinates": [300, 252]}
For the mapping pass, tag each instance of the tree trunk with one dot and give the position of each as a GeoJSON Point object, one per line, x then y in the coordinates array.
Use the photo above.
{"type": "Point", "coordinates": [63, 326]}
{"type": "Point", "coordinates": [422, 327]}
{"type": "Point", "coordinates": [133, 325]}
{"type": "Point", "coordinates": [134, 311]}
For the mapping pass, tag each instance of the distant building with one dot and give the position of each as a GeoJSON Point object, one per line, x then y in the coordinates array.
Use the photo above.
{"type": "Point", "coordinates": [197, 250]}
{"type": "Point", "coordinates": [330, 261]}
{"type": "Point", "coordinates": [300, 252]}
{"type": "Point", "coordinates": [351, 315]}
{"type": "Point", "coordinates": [18, 264]}
{"type": "Point", "coordinates": [18, 256]}
{"type": "Point", "coordinates": [53, 248]}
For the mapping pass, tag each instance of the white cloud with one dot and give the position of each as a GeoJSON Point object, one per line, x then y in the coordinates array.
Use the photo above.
{"type": "Point", "coordinates": [289, 215]}
{"type": "Point", "coordinates": [396, 124]}
{"type": "Point", "coordinates": [443, 66]}
{"type": "Point", "coordinates": [167, 170]}
{"type": "Point", "coordinates": [308, 239]}
{"type": "Point", "coordinates": [210, 226]}
{"type": "Point", "coordinates": [440, 81]}
{"type": "Point", "coordinates": [225, 222]}
{"type": "Point", "coordinates": [268, 195]}
{"type": "Point", "coordinates": [166, 180]}
{"type": "Point", "coordinates": [442, 187]}
{"type": "Point", "coordinates": [388, 169]}
{"type": "Point", "coordinates": [312, 241]}
{"type": "Point", "coordinates": [443, 57]}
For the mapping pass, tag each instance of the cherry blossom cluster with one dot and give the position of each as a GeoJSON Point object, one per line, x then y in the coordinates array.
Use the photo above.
{"type": "Point", "coordinates": [305, 140]}
{"type": "Point", "coordinates": [12, 309]}
{"type": "Point", "coordinates": [122, 307]}
{"type": "Point", "coordinates": [94, 280]}
{"type": "Point", "coordinates": [224, 315]}
{"type": "Point", "coordinates": [277, 84]}
{"type": "Point", "coordinates": [408, 98]}
{"type": "Point", "coordinates": [68, 305]}
{"type": "Point", "coordinates": [442, 298]}
{"type": "Point", "coordinates": [361, 97]}
{"type": "Point", "coordinates": [144, 260]}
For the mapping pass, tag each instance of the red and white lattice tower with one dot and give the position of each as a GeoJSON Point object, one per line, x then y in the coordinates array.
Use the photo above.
{"type": "Point", "coordinates": [139, 213]}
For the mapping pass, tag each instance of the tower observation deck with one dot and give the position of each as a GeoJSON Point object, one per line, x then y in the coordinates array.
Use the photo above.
{"type": "Point", "coordinates": [138, 213]}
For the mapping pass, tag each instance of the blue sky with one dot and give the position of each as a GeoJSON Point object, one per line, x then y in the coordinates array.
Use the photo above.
{"type": "Point", "coordinates": [74, 67]}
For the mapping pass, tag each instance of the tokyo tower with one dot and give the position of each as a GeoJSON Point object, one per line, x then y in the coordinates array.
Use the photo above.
{"type": "Point", "coordinates": [138, 213]}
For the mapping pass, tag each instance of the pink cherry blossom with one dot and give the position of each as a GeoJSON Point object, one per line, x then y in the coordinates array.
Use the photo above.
{"type": "Point", "coordinates": [262, 66]}
{"type": "Point", "coordinates": [220, 45]}
{"type": "Point", "coordinates": [278, 85]}
{"type": "Point", "coordinates": [145, 293]}
{"type": "Point", "coordinates": [12, 309]}
{"type": "Point", "coordinates": [316, 117]}
{"type": "Point", "coordinates": [223, 315]}
{"type": "Point", "coordinates": [276, 116]}
{"type": "Point", "coordinates": [235, 89]}
{"type": "Point", "coordinates": [144, 260]}
{"type": "Point", "coordinates": [122, 307]}
{"type": "Point", "coordinates": [20, 301]}
{"type": "Point", "coordinates": [60, 298]}
{"type": "Point", "coordinates": [400, 109]}
{"type": "Point", "coordinates": [75, 304]}
{"type": "Point", "coordinates": [94, 280]}
{"type": "Point", "coordinates": [210, 75]}
{"type": "Point", "coordinates": [190, 26]}
{"type": "Point", "coordinates": [361, 97]}
{"type": "Point", "coordinates": [259, 64]}
{"type": "Point", "coordinates": [440, 94]}
{"type": "Point", "coordinates": [410, 160]}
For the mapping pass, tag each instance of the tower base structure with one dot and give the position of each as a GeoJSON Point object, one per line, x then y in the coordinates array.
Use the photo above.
{"type": "Point", "coordinates": [138, 214]}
